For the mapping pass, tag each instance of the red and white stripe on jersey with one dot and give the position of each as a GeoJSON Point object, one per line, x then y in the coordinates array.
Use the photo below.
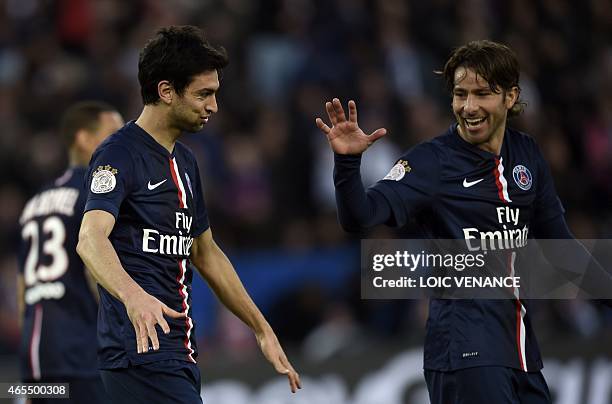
{"type": "Point", "coordinates": [35, 342]}
{"type": "Point", "coordinates": [520, 318]}
{"type": "Point", "coordinates": [176, 177]}
{"type": "Point", "coordinates": [520, 333]}
{"type": "Point", "coordinates": [500, 181]}
{"type": "Point", "coordinates": [185, 299]}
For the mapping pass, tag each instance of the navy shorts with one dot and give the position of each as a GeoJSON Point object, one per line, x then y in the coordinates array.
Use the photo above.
{"type": "Point", "coordinates": [487, 384]}
{"type": "Point", "coordinates": [90, 391]}
{"type": "Point", "coordinates": [168, 381]}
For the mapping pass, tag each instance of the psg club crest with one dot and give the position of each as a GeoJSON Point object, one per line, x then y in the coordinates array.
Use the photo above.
{"type": "Point", "coordinates": [398, 171]}
{"type": "Point", "coordinates": [103, 179]}
{"type": "Point", "coordinates": [522, 177]}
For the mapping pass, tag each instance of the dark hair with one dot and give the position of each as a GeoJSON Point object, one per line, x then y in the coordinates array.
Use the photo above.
{"type": "Point", "coordinates": [176, 54]}
{"type": "Point", "coordinates": [82, 115]}
{"type": "Point", "coordinates": [494, 62]}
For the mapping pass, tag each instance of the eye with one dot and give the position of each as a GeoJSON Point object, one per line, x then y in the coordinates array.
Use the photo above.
{"type": "Point", "coordinates": [203, 95]}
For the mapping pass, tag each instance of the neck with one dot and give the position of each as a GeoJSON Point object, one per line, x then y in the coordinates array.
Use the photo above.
{"type": "Point", "coordinates": [492, 145]}
{"type": "Point", "coordinates": [154, 121]}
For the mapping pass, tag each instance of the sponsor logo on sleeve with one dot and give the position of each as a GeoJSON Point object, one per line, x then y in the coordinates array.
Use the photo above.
{"type": "Point", "coordinates": [398, 171]}
{"type": "Point", "coordinates": [103, 179]}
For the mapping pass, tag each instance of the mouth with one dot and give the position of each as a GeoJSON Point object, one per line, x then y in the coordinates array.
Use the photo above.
{"type": "Point", "coordinates": [204, 119]}
{"type": "Point", "coordinates": [474, 123]}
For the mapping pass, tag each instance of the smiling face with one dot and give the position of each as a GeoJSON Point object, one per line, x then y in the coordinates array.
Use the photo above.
{"type": "Point", "coordinates": [191, 110]}
{"type": "Point", "coordinates": [481, 112]}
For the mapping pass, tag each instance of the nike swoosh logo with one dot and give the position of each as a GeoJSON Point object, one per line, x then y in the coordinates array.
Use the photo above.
{"type": "Point", "coordinates": [467, 184]}
{"type": "Point", "coordinates": [153, 186]}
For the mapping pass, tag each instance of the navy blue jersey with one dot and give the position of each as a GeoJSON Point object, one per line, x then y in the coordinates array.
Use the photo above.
{"type": "Point", "coordinates": [156, 198]}
{"type": "Point", "coordinates": [454, 190]}
{"type": "Point", "coordinates": [59, 326]}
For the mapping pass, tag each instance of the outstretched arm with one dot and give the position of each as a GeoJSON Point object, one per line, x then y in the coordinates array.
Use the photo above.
{"type": "Point", "coordinates": [218, 271]}
{"type": "Point", "coordinates": [357, 209]}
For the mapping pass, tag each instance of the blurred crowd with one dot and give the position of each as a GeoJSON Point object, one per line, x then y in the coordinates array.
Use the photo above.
{"type": "Point", "coordinates": [266, 169]}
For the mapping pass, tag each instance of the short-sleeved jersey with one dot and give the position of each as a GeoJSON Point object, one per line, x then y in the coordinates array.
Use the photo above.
{"type": "Point", "coordinates": [59, 326]}
{"type": "Point", "coordinates": [454, 190]}
{"type": "Point", "coordinates": [157, 200]}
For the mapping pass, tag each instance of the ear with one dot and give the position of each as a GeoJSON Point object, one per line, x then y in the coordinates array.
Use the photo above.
{"type": "Point", "coordinates": [511, 97]}
{"type": "Point", "coordinates": [165, 91]}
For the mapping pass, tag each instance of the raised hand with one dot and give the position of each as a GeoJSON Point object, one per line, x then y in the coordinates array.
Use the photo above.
{"type": "Point", "coordinates": [345, 136]}
{"type": "Point", "coordinates": [270, 347]}
{"type": "Point", "coordinates": [144, 312]}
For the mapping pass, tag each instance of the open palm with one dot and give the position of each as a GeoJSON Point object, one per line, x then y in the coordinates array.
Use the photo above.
{"type": "Point", "coordinates": [345, 136]}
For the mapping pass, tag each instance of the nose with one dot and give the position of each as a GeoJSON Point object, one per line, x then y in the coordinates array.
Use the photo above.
{"type": "Point", "coordinates": [212, 107]}
{"type": "Point", "coordinates": [471, 104]}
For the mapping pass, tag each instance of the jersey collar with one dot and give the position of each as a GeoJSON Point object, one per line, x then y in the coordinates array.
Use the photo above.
{"type": "Point", "coordinates": [149, 140]}
{"type": "Point", "coordinates": [457, 140]}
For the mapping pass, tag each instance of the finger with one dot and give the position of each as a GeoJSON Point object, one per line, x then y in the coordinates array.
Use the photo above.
{"type": "Point", "coordinates": [377, 134]}
{"type": "Point", "coordinates": [292, 385]}
{"type": "Point", "coordinates": [137, 333]}
{"type": "Point", "coordinates": [329, 108]}
{"type": "Point", "coordinates": [321, 125]}
{"type": "Point", "coordinates": [144, 340]}
{"type": "Point", "coordinates": [152, 332]}
{"type": "Point", "coordinates": [352, 111]}
{"type": "Point", "coordinates": [298, 381]}
{"type": "Point", "coordinates": [280, 367]}
{"type": "Point", "coordinates": [338, 110]}
{"type": "Point", "coordinates": [172, 313]}
{"type": "Point", "coordinates": [294, 381]}
{"type": "Point", "coordinates": [294, 377]}
{"type": "Point", "coordinates": [163, 324]}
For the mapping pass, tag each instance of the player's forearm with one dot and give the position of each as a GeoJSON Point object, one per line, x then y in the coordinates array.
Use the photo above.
{"type": "Point", "coordinates": [220, 275]}
{"type": "Point", "coordinates": [100, 257]}
{"type": "Point", "coordinates": [357, 209]}
{"type": "Point", "coordinates": [92, 282]}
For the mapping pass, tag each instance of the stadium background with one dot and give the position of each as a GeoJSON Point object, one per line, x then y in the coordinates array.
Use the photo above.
{"type": "Point", "coordinates": [267, 170]}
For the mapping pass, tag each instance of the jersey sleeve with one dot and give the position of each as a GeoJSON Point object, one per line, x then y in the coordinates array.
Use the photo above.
{"type": "Point", "coordinates": [412, 182]}
{"type": "Point", "coordinates": [109, 179]}
{"type": "Point", "coordinates": [357, 209]}
{"type": "Point", "coordinates": [547, 203]}
{"type": "Point", "coordinates": [201, 223]}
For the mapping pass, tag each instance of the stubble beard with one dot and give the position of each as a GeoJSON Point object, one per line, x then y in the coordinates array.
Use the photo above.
{"type": "Point", "coordinates": [183, 122]}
